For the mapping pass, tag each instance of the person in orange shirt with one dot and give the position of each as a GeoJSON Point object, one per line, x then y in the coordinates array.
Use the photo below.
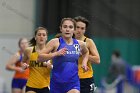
{"type": "Point", "coordinates": [86, 78]}
{"type": "Point", "coordinates": [14, 64]}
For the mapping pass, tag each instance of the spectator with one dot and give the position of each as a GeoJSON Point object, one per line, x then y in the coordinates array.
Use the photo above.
{"type": "Point", "coordinates": [117, 67]}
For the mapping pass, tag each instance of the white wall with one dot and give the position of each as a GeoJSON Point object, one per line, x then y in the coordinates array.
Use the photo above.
{"type": "Point", "coordinates": [16, 17]}
{"type": "Point", "coordinates": [16, 20]}
{"type": "Point", "coordinates": [10, 44]}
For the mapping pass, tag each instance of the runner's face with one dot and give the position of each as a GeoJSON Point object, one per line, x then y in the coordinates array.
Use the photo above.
{"type": "Point", "coordinates": [24, 44]}
{"type": "Point", "coordinates": [80, 29]}
{"type": "Point", "coordinates": [41, 37]}
{"type": "Point", "coordinates": [67, 28]}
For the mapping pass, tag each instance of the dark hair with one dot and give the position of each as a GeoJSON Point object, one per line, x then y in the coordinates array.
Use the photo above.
{"type": "Point", "coordinates": [32, 42]}
{"type": "Point", "coordinates": [19, 42]}
{"type": "Point", "coordinates": [64, 19]}
{"type": "Point", "coordinates": [116, 53]}
{"type": "Point", "coordinates": [82, 19]}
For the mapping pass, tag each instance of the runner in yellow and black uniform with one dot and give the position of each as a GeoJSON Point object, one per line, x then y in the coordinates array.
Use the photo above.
{"type": "Point", "coordinates": [39, 75]}
{"type": "Point", "coordinates": [86, 78]}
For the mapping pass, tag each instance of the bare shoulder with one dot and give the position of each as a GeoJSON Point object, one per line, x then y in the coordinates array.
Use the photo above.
{"type": "Point", "coordinates": [90, 42]}
{"type": "Point", "coordinates": [28, 50]}
{"type": "Point", "coordinates": [53, 44]}
{"type": "Point", "coordinates": [17, 54]}
{"type": "Point", "coordinates": [53, 41]}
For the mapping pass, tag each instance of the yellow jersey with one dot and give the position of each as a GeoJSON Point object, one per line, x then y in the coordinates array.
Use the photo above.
{"type": "Point", "coordinates": [39, 76]}
{"type": "Point", "coordinates": [81, 73]}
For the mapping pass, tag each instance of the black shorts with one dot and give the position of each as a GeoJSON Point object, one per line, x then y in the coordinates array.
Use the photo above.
{"type": "Point", "coordinates": [87, 85]}
{"type": "Point", "coordinates": [42, 90]}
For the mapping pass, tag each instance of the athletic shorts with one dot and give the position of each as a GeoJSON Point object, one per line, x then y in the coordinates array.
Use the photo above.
{"type": "Point", "coordinates": [37, 90]}
{"type": "Point", "coordinates": [18, 83]}
{"type": "Point", "coordinates": [56, 87]}
{"type": "Point", "coordinates": [87, 85]}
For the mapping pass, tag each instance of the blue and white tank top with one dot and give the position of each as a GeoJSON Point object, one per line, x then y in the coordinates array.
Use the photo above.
{"type": "Point", "coordinates": [65, 68]}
